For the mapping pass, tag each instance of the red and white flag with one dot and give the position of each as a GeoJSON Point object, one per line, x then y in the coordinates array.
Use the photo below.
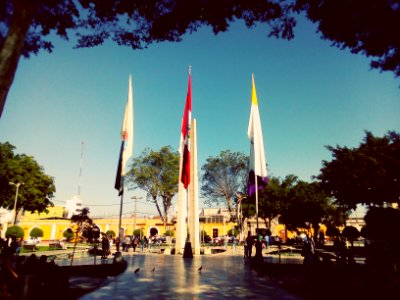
{"type": "Point", "coordinates": [184, 148]}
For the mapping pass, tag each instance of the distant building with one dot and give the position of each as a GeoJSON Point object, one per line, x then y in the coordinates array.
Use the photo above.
{"type": "Point", "coordinates": [54, 213]}
{"type": "Point", "coordinates": [73, 206]}
{"type": "Point", "coordinates": [5, 215]}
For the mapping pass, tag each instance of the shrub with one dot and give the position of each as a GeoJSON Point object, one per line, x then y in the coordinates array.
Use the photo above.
{"type": "Point", "coordinates": [138, 232]}
{"type": "Point", "coordinates": [332, 231]}
{"type": "Point", "coordinates": [15, 232]}
{"type": "Point", "coordinates": [351, 233]}
{"type": "Point", "coordinates": [204, 237]}
{"type": "Point", "coordinates": [233, 231]}
{"type": "Point", "coordinates": [110, 233]}
{"type": "Point", "coordinates": [68, 234]}
{"type": "Point", "coordinates": [169, 233]}
{"type": "Point", "coordinates": [36, 232]}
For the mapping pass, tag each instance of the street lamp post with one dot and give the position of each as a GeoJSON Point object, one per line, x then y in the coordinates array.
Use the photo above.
{"type": "Point", "coordinates": [134, 220]}
{"type": "Point", "coordinates": [239, 212]}
{"type": "Point", "coordinates": [17, 185]}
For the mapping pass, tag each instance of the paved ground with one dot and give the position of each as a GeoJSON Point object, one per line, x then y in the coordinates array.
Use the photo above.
{"type": "Point", "coordinates": [224, 275]}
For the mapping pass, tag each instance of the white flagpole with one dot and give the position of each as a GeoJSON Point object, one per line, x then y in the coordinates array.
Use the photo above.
{"type": "Point", "coordinates": [256, 184]}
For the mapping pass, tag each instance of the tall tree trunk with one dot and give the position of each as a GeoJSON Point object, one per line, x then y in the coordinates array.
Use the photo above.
{"type": "Point", "coordinates": [229, 204]}
{"type": "Point", "coordinates": [10, 52]}
{"type": "Point", "coordinates": [165, 217]}
{"type": "Point", "coordinates": [158, 208]}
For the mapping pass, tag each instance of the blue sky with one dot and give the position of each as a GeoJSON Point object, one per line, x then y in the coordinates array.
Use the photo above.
{"type": "Point", "coordinates": [310, 95]}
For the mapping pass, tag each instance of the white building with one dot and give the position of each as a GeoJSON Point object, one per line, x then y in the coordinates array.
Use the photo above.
{"type": "Point", "coordinates": [73, 206]}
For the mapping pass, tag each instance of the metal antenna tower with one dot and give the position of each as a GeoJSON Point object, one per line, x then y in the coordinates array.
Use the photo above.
{"type": "Point", "coordinates": [80, 171]}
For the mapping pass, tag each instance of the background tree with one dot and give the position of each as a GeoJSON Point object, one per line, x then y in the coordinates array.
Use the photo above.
{"type": "Point", "coordinates": [138, 232]}
{"type": "Point", "coordinates": [169, 233]}
{"type": "Point", "coordinates": [38, 188]}
{"type": "Point", "coordinates": [83, 222]}
{"type": "Point", "coordinates": [92, 234]}
{"type": "Point", "coordinates": [351, 234]}
{"type": "Point", "coordinates": [368, 174]}
{"type": "Point", "coordinates": [332, 231]}
{"type": "Point", "coordinates": [15, 232]}
{"type": "Point", "coordinates": [204, 237]}
{"type": "Point", "coordinates": [28, 26]}
{"type": "Point", "coordinates": [383, 236]}
{"type": "Point", "coordinates": [272, 198]}
{"type": "Point", "coordinates": [336, 216]}
{"type": "Point", "coordinates": [68, 234]}
{"type": "Point", "coordinates": [233, 232]}
{"type": "Point", "coordinates": [223, 176]}
{"type": "Point", "coordinates": [367, 27]}
{"type": "Point", "coordinates": [36, 233]}
{"type": "Point", "coordinates": [157, 173]}
{"type": "Point", "coordinates": [305, 207]}
{"type": "Point", "coordinates": [111, 234]}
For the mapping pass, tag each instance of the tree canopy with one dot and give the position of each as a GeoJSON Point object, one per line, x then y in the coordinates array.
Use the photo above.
{"type": "Point", "coordinates": [368, 174]}
{"type": "Point", "coordinates": [305, 206]}
{"type": "Point", "coordinates": [36, 232]}
{"type": "Point", "coordinates": [223, 176]}
{"type": "Point", "coordinates": [368, 27]}
{"type": "Point", "coordinates": [38, 188]}
{"type": "Point", "coordinates": [157, 173]}
{"type": "Point", "coordinates": [28, 26]}
{"type": "Point", "coordinates": [273, 198]}
{"type": "Point", "coordinates": [15, 232]}
{"type": "Point", "coordinates": [84, 227]}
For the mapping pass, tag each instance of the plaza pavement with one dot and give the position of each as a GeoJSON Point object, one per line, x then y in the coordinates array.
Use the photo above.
{"type": "Point", "coordinates": [225, 275]}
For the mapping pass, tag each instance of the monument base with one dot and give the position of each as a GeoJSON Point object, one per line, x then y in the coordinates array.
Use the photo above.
{"type": "Point", "coordinates": [187, 252]}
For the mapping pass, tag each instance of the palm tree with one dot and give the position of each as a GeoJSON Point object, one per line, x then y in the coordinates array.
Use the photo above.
{"type": "Point", "coordinates": [81, 220]}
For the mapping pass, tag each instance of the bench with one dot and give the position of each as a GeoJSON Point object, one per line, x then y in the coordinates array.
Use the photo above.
{"type": "Point", "coordinates": [29, 247]}
{"type": "Point", "coordinates": [55, 246]}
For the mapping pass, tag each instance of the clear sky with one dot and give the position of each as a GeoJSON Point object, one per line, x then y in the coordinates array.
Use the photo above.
{"type": "Point", "coordinates": [310, 95]}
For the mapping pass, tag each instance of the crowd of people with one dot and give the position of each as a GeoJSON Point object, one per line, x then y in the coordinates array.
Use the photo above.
{"type": "Point", "coordinates": [28, 277]}
{"type": "Point", "coordinates": [135, 242]}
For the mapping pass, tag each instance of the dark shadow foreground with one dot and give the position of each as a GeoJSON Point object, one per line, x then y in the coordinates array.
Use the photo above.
{"type": "Point", "coordinates": [321, 280]}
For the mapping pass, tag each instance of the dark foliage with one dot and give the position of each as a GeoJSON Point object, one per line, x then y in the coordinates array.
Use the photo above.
{"type": "Point", "coordinates": [368, 174]}
{"type": "Point", "coordinates": [370, 27]}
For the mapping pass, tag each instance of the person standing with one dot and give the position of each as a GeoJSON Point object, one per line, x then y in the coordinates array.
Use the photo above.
{"type": "Point", "coordinates": [249, 244]}
{"type": "Point", "coordinates": [117, 243]}
{"type": "Point", "coordinates": [233, 242]}
{"type": "Point", "coordinates": [127, 243]}
{"type": "Point", "coordinates": [105, 246]}
{"type": "Point", "coordinates": [134, 243]}
{"type": "Point", "coordinates": [14, 246]}
{"type": "Point", "coordinates": [142, 242]}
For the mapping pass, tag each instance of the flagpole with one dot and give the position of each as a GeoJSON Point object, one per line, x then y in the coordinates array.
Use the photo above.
{"type": "Point", "coordinates": [187, 193]}
{"type": "Point", "coordinates": [120, 218]}
{"type": "Point", "coordinates": [125, 151]}
{"type": "Point", "coordinates": [256, 184]}
{"type": "Point", "coordinates": [187, 252]}
{"type": "Point", "coordinates": [187, 216]}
